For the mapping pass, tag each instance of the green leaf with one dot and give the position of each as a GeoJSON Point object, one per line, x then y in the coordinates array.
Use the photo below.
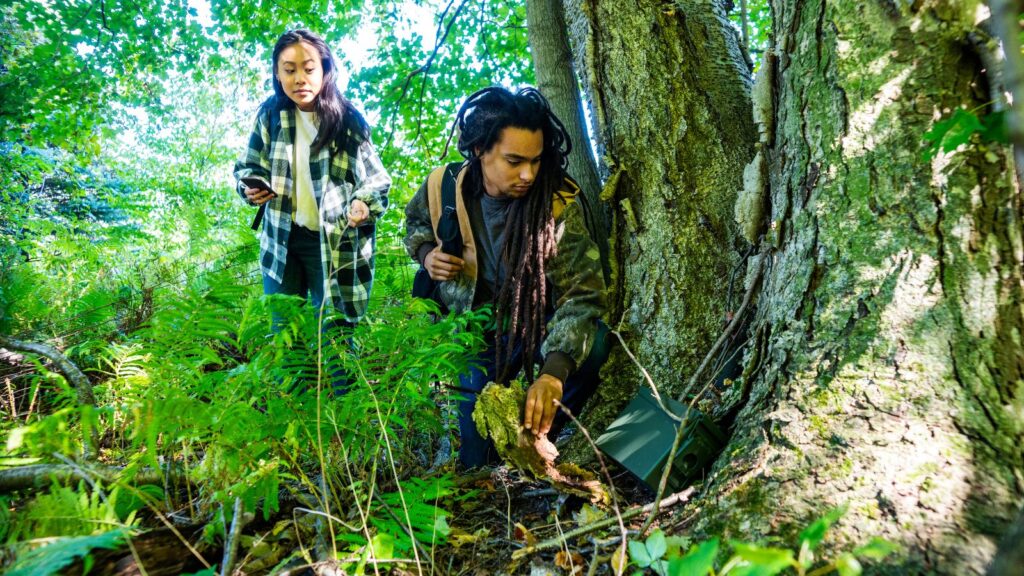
{"type": "Point", "coordinates": [761, 561]}
{"type": "Point", "coordinates": [815, 533]}
{"type": "Point", "coordinates": [383, 546]}
{"type": "Point", "coordinates": [996, 127]}
{"type": "Point", "coordinates": [950, 133]}
{"type": "Point", "coordinates": [876, 549]}
{"type": "Point", "coordinates": [676, 545]}
{"type": "Point", "coordinates": [698, 561]}
{"type": "Point", "coordinates": [847, 565]}
{"type": "Point", "coordinates": [59, 554]}
{"type": "Point", "coordinates": [656, 545]}
{"type": "Point", "coordinates": [638, 553]}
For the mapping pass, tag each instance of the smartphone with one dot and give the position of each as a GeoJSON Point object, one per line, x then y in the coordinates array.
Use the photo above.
{"type": "Point", "coordinates": [257, 182]}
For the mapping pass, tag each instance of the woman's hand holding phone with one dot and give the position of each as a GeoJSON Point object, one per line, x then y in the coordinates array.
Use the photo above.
{"type": "Point", "coordinates": [257, 190]}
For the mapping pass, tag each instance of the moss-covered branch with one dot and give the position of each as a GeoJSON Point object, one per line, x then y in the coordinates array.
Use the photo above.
{"type": "Point", "coordinates": [74, 376]}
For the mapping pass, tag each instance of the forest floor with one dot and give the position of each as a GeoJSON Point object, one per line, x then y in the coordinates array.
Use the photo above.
{"type": "Point", "coordinates": [506, 514]}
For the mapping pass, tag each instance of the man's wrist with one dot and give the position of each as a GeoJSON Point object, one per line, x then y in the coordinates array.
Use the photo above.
{"type": "Point", "coordinates": [422, 252]}
{"type": "Point", "coordinates": [559, 365]}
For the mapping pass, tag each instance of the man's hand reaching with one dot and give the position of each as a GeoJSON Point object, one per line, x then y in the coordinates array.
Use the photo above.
{"type": "Point", "coordinates": [540, 405]}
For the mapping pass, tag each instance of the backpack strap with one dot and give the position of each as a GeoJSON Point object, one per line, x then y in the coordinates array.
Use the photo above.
{"type": "Point", "coordinates": [444, 208]}
{"type": "Point", "coordinates": [448, 213]}
{"type": "Point", "coordinates": [455, 238]}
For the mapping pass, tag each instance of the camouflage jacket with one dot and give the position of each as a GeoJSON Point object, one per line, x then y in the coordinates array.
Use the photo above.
{"type": "Point", "coordinates": [574, 271]}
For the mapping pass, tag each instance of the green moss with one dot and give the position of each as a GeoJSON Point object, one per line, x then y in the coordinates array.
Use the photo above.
{"type": "Point", "coordinates": [819, 425]}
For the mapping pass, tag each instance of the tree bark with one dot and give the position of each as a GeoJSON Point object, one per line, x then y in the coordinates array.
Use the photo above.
{"type": "Point", "coordinates": [556, 79]}
{"type": "Point", "coordinates": [1005, 18]}
{"type": "Point", "coordinates": [671, 97]}
{"type": "Point", "coordinates": [886, 371]}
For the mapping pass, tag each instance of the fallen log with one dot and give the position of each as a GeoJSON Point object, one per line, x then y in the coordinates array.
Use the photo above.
{"type": "Point", "coordinates": [74, 376]}
{"type": "Point", "coordinates": [40, 475]}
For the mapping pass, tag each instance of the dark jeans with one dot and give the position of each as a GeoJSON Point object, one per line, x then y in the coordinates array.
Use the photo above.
{"type": "Point", "coordinates": [576, 390]}
{"type": "Point", "coordinates": [303, 269]}
{"type": "Point", "coordinates": [304, 276]}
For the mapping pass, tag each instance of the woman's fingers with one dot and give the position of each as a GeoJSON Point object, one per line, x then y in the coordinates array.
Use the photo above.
{"type": "Point", "coordinates": [257, 195]}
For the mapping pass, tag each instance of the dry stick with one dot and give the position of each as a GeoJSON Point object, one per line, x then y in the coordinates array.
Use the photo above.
{"type": "Point", "coordinates": [508, 510]}
{"type": "Point", "coordinates": [663, 483]}
{"type": "Point", "coordinates": [10, 396]}
{"type": "Point", "coordinates": [631, 513]}
{"type": "Point", "coordinates": [747, 298]}
{"type": "Point", "coordinates": [231, 546]}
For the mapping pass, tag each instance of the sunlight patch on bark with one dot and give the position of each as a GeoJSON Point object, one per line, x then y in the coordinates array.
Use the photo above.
{"type": "Point", "coordinates": [864, 134]}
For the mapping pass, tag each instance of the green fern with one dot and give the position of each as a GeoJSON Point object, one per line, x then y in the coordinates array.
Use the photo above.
{"type": "Point", "coordinates": [60, 553]}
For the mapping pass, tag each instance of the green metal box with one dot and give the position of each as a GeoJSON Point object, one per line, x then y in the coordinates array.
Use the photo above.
{"type": "Point", "coordinates": [641, 437]}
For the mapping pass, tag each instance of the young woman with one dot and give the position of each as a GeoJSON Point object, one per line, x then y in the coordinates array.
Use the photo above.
{"type": "Point", "coordinates": [311, 168]}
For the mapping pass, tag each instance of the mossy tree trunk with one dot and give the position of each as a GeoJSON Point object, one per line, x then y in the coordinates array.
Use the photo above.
{"type": "Point", "coordinates": [556, 79]}
{"type": "Point", "coordinates": [887, 369]}
{"type": "Point", "coordinates": [669, 88]}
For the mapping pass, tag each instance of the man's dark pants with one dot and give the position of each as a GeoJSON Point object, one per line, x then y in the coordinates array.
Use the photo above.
{"type": "Point", "coordinates": [576, 390]}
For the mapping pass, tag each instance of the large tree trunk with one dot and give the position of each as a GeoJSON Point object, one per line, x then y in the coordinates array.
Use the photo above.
{"type": "Point", "coordinates": [556, 79]}
{"type": "Point", "coordinates": [670, 92]}
{"type": "Point", "coordinates": [887, 370]}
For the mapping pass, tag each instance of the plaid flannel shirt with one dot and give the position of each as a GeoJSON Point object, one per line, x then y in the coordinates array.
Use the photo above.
{"type": "Point", "coordinates": [354, 172]}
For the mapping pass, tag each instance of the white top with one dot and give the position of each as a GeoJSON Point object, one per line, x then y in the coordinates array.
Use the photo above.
{"type": "Point", "coordinates": [306, 213]}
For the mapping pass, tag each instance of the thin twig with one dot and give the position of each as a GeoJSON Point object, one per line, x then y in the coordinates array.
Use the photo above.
{"type": "Point", "coordinates": [672, 500]}
{"type": "Point", "coordinates": [647, 376]}
{"type": "Point", "coordinates": [681, 431]}
{"type": "Point", "coordinates": [604, 470]}
{"type": "Point", "coordinates": [231, 544]}
{"type": "Point", "coordinates": [423, 69]}
{"type": "Point", "coordinates": [728, 332]}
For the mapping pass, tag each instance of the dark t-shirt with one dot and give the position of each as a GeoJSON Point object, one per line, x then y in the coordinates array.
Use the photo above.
{"type": "Point", "coordinates": [487, 217]}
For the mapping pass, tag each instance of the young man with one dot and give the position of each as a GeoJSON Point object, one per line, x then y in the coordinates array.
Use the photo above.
{"type": "Point", "coordinates": [527, 251]}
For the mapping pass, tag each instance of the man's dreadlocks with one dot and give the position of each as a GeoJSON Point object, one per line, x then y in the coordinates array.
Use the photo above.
{"type": "Point", "coordinates": [521, 300]}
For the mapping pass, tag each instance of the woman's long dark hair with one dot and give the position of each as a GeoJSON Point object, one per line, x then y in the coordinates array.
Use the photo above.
{"type": "Point", "coordinates": [338, 117]}
{"type": "Point", "coordinates": [521, 300]}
